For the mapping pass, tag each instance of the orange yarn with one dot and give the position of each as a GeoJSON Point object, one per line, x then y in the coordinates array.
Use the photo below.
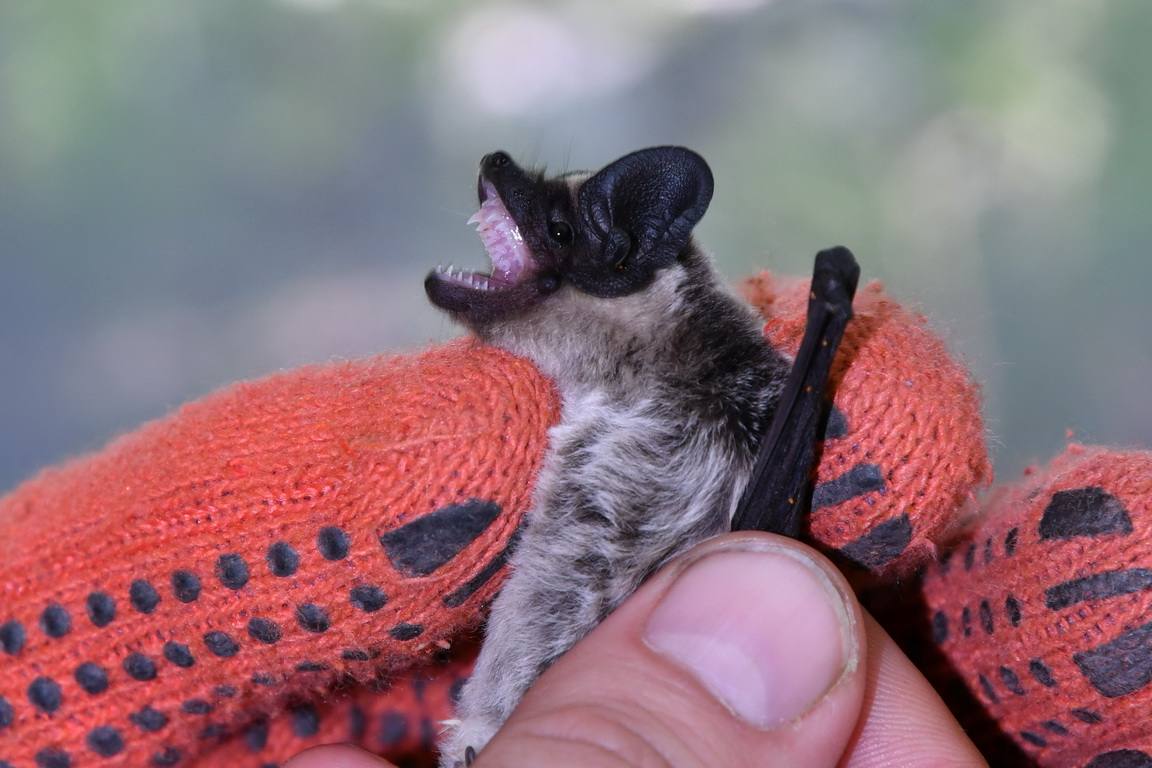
{"type": "Point", "coordinates": [239, 544]}
{"type": "Point", "coordinates": [399, 718]}
{"type": "Point", "coordinates": [1044, 610]}
{"type": "Point", "coordinates": [910, 449]}
{"type": "Point", "coordinates": [259, 571]}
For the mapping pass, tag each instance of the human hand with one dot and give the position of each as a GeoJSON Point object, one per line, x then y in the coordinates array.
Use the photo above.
{"type": "Point", "coordinates": [749, 650]}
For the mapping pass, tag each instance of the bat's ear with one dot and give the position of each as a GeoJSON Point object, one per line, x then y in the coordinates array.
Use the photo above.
{"type": "Point", "coordinates": [639, 213]}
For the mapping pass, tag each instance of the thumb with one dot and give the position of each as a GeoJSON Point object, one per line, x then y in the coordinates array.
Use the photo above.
{"type": "Point", "coordinates": [746, 651]}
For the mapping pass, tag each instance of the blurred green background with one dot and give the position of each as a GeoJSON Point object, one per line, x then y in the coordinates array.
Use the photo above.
{"type": "Point", "coordinates": [192, 193]}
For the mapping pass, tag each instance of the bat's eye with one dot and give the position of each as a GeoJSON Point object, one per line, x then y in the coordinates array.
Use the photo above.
{"type": "Point", "coordinates": [560, 232]}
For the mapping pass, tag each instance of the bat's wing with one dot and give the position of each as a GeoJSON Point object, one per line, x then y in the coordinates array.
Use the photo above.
{"type": "Point", "coordinates": [779, 494]}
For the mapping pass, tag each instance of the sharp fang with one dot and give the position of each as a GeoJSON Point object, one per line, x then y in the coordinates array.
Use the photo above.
{"type": "Point", "coordinates": [503, 242]}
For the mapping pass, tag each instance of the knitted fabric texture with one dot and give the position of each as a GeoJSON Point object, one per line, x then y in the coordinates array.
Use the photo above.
{"type": "Point", "coordinates": [904, 449]}
{"type": "Point", "coordinates": [255, 550]}
{"type": "Point", "coordinates": [1045, 611]}
{"type": "Point", "coordinates": [296, 560]}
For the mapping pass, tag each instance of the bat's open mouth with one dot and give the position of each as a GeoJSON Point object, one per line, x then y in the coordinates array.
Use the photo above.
{"type": "Point", "coordinates": [511, 259]}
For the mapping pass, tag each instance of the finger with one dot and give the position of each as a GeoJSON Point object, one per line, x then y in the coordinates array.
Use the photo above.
{"type": "Point", "coordinates": [904, 721]}
{"type": "Point", "coordinates": [747, 651]}
{"type": "Point", "coordinates": [336, 756]}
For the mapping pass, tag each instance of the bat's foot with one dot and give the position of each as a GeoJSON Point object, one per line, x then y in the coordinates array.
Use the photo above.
{"type": "Point", "coordinates": [469, 756]}
{"type": "Point", "coordinates": [461, 740]}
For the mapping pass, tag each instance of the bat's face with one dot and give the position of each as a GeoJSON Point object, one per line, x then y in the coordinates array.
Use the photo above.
{"type": "Point", "coordinates": [605, 235]}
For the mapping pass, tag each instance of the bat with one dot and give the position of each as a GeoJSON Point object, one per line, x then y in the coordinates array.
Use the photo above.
{"type": "Point", "coordinates": [668, 389]}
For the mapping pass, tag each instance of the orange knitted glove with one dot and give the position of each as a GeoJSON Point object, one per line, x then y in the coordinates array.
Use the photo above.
{"type": "Point", "coordinates": [306, 558]}
{"type": "Point", "coordinates": [1045, 613]}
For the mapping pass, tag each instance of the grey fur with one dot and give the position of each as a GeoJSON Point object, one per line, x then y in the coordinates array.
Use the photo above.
{"type": "Point", "coordinates": [665, 392]}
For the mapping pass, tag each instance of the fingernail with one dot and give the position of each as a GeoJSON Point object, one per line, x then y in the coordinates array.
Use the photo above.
{"type": "Point", "coordinates": [765, 630]}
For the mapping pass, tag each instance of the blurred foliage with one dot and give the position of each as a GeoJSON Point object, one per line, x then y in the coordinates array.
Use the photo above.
{"type": "Point", "coordinates": [192, 193]}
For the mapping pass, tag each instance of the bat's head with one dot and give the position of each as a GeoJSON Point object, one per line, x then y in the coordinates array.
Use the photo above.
{"type": "Point", "coordinates": [605, 235]}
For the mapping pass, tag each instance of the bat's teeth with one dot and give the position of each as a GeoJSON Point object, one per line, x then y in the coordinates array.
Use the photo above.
{"type": "Point", "coordinates": [476, 280]}
{"type": "Point", "coordinates": [490, 213]}
{"type": "Point", "coordinates": [502, 240]}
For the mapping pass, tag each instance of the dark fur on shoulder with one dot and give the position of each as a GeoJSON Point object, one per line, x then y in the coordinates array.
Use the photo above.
{"type": "Point", "coordinates": [666, 384]}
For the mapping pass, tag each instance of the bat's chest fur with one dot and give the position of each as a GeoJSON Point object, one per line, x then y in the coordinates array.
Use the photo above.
{"type": "Point", "coordinates": [658, 435]}
{"type": "Point", "coordinates": [665, 395]}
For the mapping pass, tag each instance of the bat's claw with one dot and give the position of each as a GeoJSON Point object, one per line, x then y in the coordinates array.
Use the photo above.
{"type": "Point", "coordinates": [463, 740]}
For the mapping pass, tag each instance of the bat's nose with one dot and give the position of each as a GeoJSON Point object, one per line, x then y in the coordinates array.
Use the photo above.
{"type": "Point", "coordinates": [495, 160]}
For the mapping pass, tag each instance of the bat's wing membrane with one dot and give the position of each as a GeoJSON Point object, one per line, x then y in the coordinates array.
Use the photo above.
{"type": "Point", "coordinates": [779, 494]}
